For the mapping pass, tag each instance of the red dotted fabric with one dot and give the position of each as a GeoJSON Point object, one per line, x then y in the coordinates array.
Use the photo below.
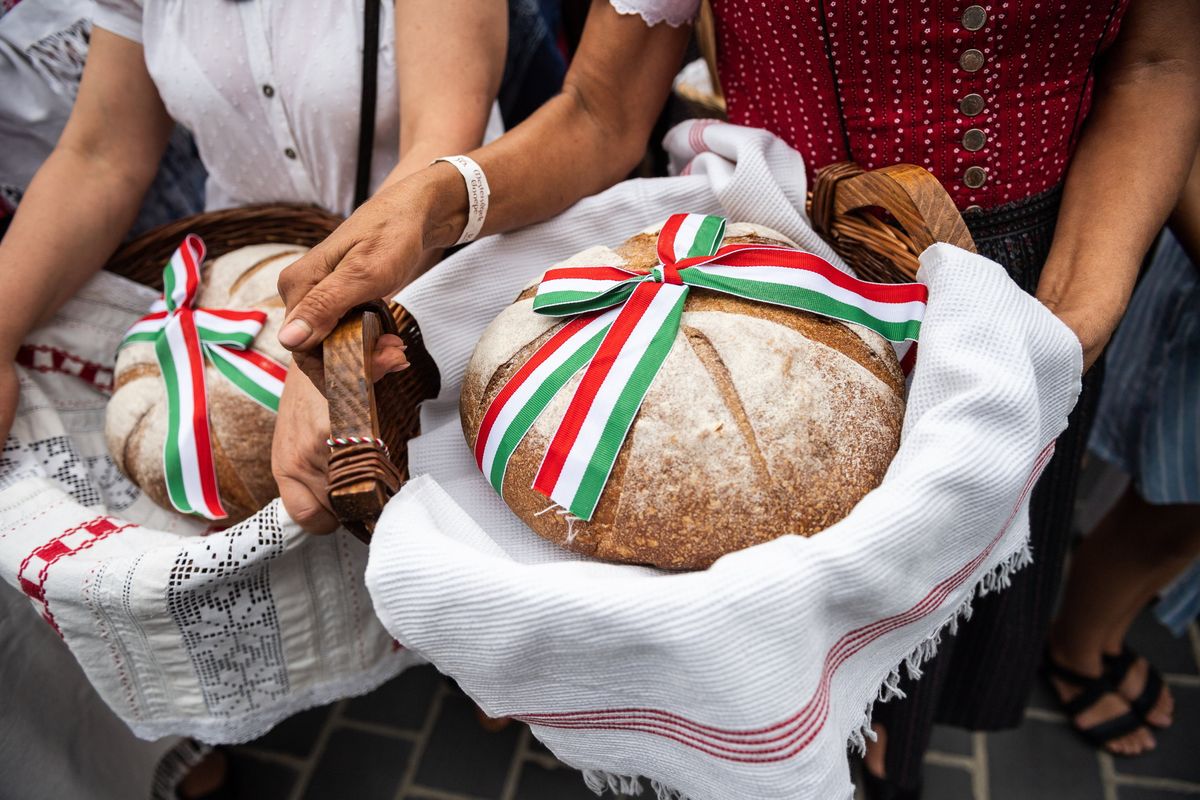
{"type": "Point", "coordinates": [881, 81]}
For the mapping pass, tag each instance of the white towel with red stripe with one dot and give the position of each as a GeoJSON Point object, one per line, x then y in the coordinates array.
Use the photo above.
{"type": "Point", "coordinates": [747, 679]}
{"type": "Point", "coordinates": [181, 630]}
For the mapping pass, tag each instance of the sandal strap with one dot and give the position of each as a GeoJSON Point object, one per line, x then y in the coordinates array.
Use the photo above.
{"type": "Point", "coordinates": [1144, 703]}
{"type": "Point", "coordinates": [1118, 666]}
{"type": "Point", "coordinates": [1068, 675]}
{"type": "Point", "coordinates": [1102, 733]}
{"type": "Point", "coordinates": [1087, 697]}
{"type": "Point", "coordinates": [1091, 689]}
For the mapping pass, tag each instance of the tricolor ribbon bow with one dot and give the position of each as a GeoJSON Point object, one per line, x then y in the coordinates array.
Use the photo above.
{"type": "Point", "coordinates": [183, 336]}
{"type": "Point", "coordinates": [625, 324]}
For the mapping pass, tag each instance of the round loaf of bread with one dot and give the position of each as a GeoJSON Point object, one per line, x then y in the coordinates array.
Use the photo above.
{"type": "Point", "coordinates": [136, 418]}
{"type": "Point", "coordinates": [763, 421]}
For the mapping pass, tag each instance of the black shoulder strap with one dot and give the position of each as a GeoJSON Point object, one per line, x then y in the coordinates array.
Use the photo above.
{"type": "Point", "coordinates": [366, 115]}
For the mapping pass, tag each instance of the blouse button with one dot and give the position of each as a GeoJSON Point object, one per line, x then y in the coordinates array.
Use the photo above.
{"type": "Point", "coordinates": [971, 105]}
{"type": "Point", "coordinates": [290, 153]}
{"type": "Point", "coordinates": [974, 177]}
{"type": "Point", "coordinates": [974, 17]}
{"type": "Point", "coordinates": [972, 209]}
{"type": "Point", "coordinates": [971, 60]}
{"type": "Point", "coordinates": [974, 139]}
{"type": "Point", "coordinates": [268, 90]}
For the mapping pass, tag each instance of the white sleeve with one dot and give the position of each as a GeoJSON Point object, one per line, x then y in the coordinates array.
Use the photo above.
{"type": "Point", "coordinates": [122, 17]}
{"type": "Point", "coordinates": [652, 12]}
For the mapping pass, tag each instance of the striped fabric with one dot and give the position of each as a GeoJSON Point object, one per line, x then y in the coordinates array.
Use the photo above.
{"type": "Point", "coordinates": [1149, 419]}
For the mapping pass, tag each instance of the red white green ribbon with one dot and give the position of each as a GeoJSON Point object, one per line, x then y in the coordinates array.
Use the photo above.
{"type": "Point", "coordinates": [625, 325]}
{"type": "Point", "coordinates": [183, 337]}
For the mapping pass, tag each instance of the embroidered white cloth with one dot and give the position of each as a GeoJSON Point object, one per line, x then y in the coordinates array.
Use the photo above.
{"type": "Point", "coordinates": [750, 678]}
{"type": "Point", "coordinates": [217, 636]}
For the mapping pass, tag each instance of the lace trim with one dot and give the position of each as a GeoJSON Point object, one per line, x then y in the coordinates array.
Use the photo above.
{"type": "Point", "coordinates": [653, 16]}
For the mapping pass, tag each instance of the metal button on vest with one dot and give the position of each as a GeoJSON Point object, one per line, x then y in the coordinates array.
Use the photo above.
{"type": "Point", "coordinates": [972, 209]}
{"type": "Point", "coordinates": [971, 60]}
{"type": "Point", "coordinates": [290, 153]}
{"type": "Point", "coordinates": [974, 139]}
{"type": "Point", "coordinates": [268, 90]}
{"type": "Point", "coordinates": [974, 17]}
{"type": "Point", "coordinates": [975, 177]}
{"type": "Point", "coordinates": [971, 105]}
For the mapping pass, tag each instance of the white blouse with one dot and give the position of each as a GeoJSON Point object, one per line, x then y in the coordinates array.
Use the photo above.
{"type": "Point", "coordinates": [652, 12]}
{"type": "Point", "coordinates": [270, 90]}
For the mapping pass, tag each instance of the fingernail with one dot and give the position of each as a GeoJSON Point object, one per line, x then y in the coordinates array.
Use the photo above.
{"type": "Point", "coordinates": [295, 333]}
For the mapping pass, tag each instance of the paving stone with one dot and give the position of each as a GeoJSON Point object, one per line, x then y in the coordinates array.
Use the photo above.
{"type": "Point", "coordinates": [360, 765]}
{"type": "Point", "coordinates": [402, 702]}
{"type": "Point", "coordinates": [296, 735]}
{"type": "Point", "coordinates": [1042, 761]}
{"type": "Point", "coordinates": [947, 783]}
{"type": "Point", "coordinates": [1169, 653]}
{"type": "Point", "coordinates": [250, 778]}
{"type": "Point", "coordinates": [539, 783]}
{"type": "Point", "coordinates": [1176, 754]}
{"type": "Point", "coordinates": [955, 741]}
{"type": "Point", "coordinates": [463, 757]}
{"type": "Point", "coordinates": [1144, 793]}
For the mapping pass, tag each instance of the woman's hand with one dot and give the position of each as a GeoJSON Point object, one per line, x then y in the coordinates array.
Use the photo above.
{"type": "Point", "coordinates": [1093, 323]}
{"type": "Point", "coordinates": [299, 453]}
{"type": "Point", "coordinates": [371, 255]}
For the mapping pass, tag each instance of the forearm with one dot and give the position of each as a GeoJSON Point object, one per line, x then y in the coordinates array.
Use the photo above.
{"type": "Point", "coordinates": [1185, 219]}
{"type": "Point", "coordinates": [70, 220]}
{"type": "Point", "coordinates": [582, 141]}
{"type": "Point", "coordinates": [1129, 167]}
{"type": "Point", "coordinates": [449, 59]}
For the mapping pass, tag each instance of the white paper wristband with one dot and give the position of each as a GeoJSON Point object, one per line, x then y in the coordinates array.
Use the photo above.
{"type": "Point", "coordinates": [478, 193]}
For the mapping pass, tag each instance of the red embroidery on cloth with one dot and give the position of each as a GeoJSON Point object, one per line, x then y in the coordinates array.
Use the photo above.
{"type": "Point", "coordinates": [798, 731]}
{"type": "Point", "coordinates": [44, 358]}
{"type": "Point", "coordinates": [67, 543]}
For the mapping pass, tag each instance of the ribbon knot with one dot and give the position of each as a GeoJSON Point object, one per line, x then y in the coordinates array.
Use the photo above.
{"type": "Point", "coordinates": [624, 326]}
{"type": "Point", "coordinates": [184, 337]}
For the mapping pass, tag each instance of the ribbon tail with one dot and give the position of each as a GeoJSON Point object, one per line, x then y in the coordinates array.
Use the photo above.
{"type": "Point", "coordinates": [258, 376]}
{"type": "Point", "coordinates": [894, 316]}
{"type": "Point", "coordinates": [585, 447]}
{"type": "Point", "coordinates": [188, 460]}
{"type": "Point", "coordinates": [525, 396]}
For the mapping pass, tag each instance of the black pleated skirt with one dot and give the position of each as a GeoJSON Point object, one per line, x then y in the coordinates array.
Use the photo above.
{"type": "Point", "coordinates": [982, 677]}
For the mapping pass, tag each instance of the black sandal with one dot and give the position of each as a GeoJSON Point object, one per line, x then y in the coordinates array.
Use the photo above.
{"type": "Point", "coordinates": [1091, 691]}
{"type": "Point", "coordinates": [1118, 666]}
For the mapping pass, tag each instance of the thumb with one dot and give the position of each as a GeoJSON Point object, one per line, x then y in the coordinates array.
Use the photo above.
{"type": "Point", "coordinates": [322, 304]}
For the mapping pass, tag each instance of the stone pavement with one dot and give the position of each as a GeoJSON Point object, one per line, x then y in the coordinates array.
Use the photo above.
{"type": "Point", "coordinates": [417, 738]}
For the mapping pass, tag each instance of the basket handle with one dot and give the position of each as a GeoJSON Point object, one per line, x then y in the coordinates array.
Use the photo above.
{"type": "Point", "coordinates": [361, 476]}
{"type": "Point", "coordinates": [916, 199]}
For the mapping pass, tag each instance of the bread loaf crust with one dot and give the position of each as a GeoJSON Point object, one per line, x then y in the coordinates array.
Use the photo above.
{"type": "Point", "coordinates": [241, 429]}
{"type": "Point", "coordinates": [763, 421]}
